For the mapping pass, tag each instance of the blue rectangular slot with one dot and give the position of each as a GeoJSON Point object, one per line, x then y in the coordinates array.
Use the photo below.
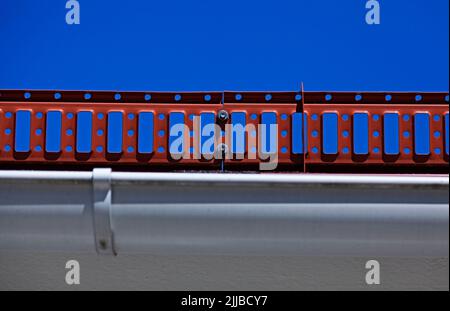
{"type": "Point", "coordinates": [269, 135]}
{"type": "Point", "coordinates": [207, 122]}
{"type": "Point", "coordinates": [361, 133]}
{"type": "Point", "coordinates": [422, 134]}
{"type": "Point", "coordinates": [391, 134]}
{"type": "Point", "coordinates": [84, 132]}
{"type": "Point", "coordinates": [176, 133]}
{"type": "Point", "coordinates": [330, 133]}
{"type": "Point", "coordinates": [145, 132]}
{"type": "Point", "coordinates": [447, 143]}
{"type": "Point", "coordinates": [23, 128]}
{"type": "Point", "coordinates": [53, 131]}
{"type": "Point", "coordinates": [238, 121]}
{"type": "Point", "coordinates": [299, 130]}
{"type": "Point", "coordinates": [115, 131]}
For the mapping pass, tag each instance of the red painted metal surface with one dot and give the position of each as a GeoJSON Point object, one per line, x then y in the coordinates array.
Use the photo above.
{"type": "Point", "coordinates": [376, 105]}
{"type": "Point", "coordinates": [253, 104]}
{"type": "Point", "coordinates": [100, 103]}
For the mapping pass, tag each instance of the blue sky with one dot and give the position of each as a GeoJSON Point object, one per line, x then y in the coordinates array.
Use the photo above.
{"type": "Point", "coordinates": [181, 45]}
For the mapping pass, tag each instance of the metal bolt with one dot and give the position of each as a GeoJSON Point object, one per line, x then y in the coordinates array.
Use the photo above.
{"type": "Point", "coordinates": [222, 115]}
{"type": "Point", "coordinates": [222, 148]}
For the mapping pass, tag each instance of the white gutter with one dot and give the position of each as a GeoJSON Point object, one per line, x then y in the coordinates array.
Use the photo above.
{"type": "Point", "coordinates": [243, 214]}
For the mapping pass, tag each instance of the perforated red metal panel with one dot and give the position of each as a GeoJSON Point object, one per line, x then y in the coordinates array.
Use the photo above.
{"type": "Point", "coordinates": [376, 105]}
{"type": "Point", "coordinates": [100, 104]}
{"type": "Point", "coordinates": [330, 136]}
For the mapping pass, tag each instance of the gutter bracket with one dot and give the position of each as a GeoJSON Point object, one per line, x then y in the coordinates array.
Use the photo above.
{"type": "Point", "coordinates": [102, 193]}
